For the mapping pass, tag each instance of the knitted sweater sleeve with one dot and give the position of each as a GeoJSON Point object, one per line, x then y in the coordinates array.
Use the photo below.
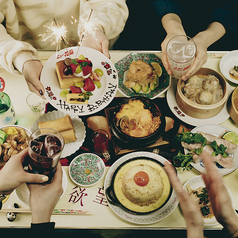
{"type": "Point", "coordinates": [13, 53]}
{"type": "Point", "coordinates": [110, 15]}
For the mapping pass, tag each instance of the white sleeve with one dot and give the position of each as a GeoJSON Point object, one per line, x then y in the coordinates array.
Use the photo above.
{"type": "Point", "coordinates": [13, 53]}
{"type": "Point", "coordinates": [109, 14]}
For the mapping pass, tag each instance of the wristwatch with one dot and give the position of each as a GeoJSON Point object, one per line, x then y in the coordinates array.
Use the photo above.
{"type": "Point", "coordinates": [2, 197]}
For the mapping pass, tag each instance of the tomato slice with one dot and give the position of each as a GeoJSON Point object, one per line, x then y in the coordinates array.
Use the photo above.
{"type": "Point", "coordinates": [141, 178]}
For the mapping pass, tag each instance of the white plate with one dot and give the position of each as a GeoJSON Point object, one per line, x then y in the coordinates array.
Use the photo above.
{"type": "Point", "coordinates": [150, 218]}
{"type": "Point", "coordinates": [215, 130]}
{"type": "Point", "coordinates": [228, 61]}
{"type": "Point", "coordinates": [23, 193]}
{"type": "Point", "coordinates": [171, 99]}
{"type": "Point", "coordinates": [101, 97]}
{"type": "Point", "coordinates": [79, 128]}
{"type": "Point", "coordinates": [195, 183]}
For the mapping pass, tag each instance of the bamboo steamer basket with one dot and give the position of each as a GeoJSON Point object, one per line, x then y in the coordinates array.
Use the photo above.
{"type": "Point", "coordinates": [233, 108]}
{"type": "Point", "coordinates": [200, 111]}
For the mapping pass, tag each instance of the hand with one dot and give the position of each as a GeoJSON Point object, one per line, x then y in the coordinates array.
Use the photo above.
{"type": "Point", "coordinates": [190, 210]}
{"type": "Point", "coordinates": [200, 57]}
{"type": "Point", "coordinates": [13, 175]}
{"type": "Point", "coordinates": [31, 71]}
{"type": "Point", "coordinates": [43, 198]}
{"type": "Point", "coordinates": [219, 197]}
{"type": "Point", "coordinates": [97, 41]}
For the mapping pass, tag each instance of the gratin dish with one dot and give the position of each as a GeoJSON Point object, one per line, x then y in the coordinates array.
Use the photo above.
{"type": "Point", "coordinates": [138, 142]}
{"type": "Point", "coordinates": [200, 111]}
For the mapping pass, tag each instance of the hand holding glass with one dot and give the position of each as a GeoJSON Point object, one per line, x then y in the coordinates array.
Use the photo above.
{"type": "Point", "coordinates": [45, 148]}
{"type": "Point", "coordinates": [181, 51]}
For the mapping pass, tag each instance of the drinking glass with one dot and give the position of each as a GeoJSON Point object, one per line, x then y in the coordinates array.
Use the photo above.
{"type": "Point", "coordinates": [36, 103]}
{"type": "Point", "coordinates": [100, 140]}
{"type": "Point", "coordinates": [181, 51]}
{"type": "Point", "coordinates": [45, 148]}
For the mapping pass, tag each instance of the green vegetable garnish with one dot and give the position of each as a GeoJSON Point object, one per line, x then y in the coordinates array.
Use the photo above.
{"type": "Point", "coordinates": [218, 149]}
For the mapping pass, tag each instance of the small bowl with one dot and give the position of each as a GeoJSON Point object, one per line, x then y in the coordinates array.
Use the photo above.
{"type": "Point", "coordinates": [200, 111]}
{"type": "Point", "coordinates": [233, 108]}
{"type": "Point", "coordinates": [86, 169]}
{"type": "Point", "coordinates": [138, 142]}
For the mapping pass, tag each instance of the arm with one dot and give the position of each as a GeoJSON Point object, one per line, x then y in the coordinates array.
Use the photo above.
{"type": "Point", "coordinates": [14, 53]}
{"type": "Point", "coordinates": [173, 26]}
{"type": "Point", "coordinates": [203, 40]}
{"type": "Point", "coordinates": [109, 18]}
{"type": "Point", "coordinates": [191, 212]}
{"type": "Point", "coordinates": [219, 197]}
{"type": "Point", "coordinates": [13, 175]}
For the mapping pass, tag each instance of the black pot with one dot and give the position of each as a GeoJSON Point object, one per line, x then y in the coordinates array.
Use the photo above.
{"type": "Point", "coordinates": [110, 193]}
{"type": "Point", "coordinates": [138, 142]}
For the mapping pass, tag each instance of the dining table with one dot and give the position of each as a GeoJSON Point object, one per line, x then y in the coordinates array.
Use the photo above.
{"type": "Point", "coordinates": [92, 200]}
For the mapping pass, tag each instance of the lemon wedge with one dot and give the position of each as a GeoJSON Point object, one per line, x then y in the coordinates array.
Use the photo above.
{"type": "Point", "coordinates": [231, 136]}
{"type": "Point", "coordinates": [157, 68]}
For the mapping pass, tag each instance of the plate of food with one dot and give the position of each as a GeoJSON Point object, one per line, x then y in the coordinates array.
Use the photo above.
{"type": "Point", "coordinates": [229, 66]}
{"type": "Point", "coordinates": [178, 112]}
{"type": "Point", "coordinates": [212, 139]}
{"type": "Point", "coordinates": [71, 128]}
{"type": "Point", "coordinates": [142, 74]}
{"type": "Point", "coordinates": [23, 192]}
{"type": "Point", "coordinates": [198, 193]}
{"type": "Point", "coordinates": [79, 81]}
{"type": "Point", "coordinates": [134, 208]}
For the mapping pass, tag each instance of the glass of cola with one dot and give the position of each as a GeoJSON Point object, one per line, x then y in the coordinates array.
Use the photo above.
{"type": "Point", "coordinates": [45, 148]}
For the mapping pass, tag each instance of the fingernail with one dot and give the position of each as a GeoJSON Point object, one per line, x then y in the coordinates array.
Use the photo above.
{"type": "Point", "coordinates": [45, 178]}
{"type": "Point", "coordinates": [41, 93]}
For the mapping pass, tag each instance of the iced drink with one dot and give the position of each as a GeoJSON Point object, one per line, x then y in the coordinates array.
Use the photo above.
{"type": "Point", "coordinates": [45, 148]}
{"type": "Point", "coordinates": [181, 51]}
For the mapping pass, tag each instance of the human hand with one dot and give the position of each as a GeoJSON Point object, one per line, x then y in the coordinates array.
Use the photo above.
{"type": "Point", "coordinates": [96, 40]}
{"type": "Point", "coordinates": [219, 197]}
{"type": "Point", "coordinates": [31, 71]}
{"type": "Point", "coordinates": [43, 198]}
{"type": "Point", "coordinates": [12, 175]}
{"type": "Point", "coordinates": [200, 57]}
{"type": "Point", "coordinates": [190, 210]}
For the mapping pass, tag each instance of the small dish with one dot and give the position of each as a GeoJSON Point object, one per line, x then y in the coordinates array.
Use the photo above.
{"type": "Point", "coordinates": [228, 61]}
{"type": "Point", "coordinates": [23, 193]}
{"type": "Point", "coordinates": [86, 169]}
{"type": "Point", "coordinates": [195, 183]}
{"type": "Point", "coordinates": [122, 67]}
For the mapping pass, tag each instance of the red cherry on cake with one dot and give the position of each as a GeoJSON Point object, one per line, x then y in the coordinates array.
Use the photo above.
{"type": "Point", "coordinates": [89, 85]}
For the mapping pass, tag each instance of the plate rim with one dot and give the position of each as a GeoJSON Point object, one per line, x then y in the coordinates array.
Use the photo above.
{"type": "Point", "coordinates": [100, 103]}
{"type": "Point", "coordinates": [221, 171]}
{"type": "Point", "coordinates": [171, 100]}
{"type": "Point", "coordinates": [140, 219]}
{"type": "Point", "coordinates": [221, 66]}
{"type": "Point", "coordinates": [87, 185]}
{"type": "Point", "coordinates": [141, 94]}
{"type": "Point", "coordinates": [55, 112]}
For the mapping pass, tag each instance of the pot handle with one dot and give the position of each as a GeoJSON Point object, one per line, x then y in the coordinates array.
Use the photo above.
{"type": "Point", "coordinates": [111, 196]}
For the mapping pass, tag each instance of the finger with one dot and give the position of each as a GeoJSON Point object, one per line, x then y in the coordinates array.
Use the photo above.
{"type": "Point", "coordinates": [34, 178]}
{"type": "Point", "coordinates": [22, 155]}
{"type": "Point", "coordinates": [39, 91]}
{"type": "Point", "coordinates": [105, 51]}
{"type": "Point", "coordinates": [166, 62]}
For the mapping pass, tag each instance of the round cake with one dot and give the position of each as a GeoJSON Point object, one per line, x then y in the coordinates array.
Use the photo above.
{"type": "Point", "coordinates": [142, 185]}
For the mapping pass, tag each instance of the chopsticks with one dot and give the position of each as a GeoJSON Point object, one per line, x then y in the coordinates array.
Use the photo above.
{"type": "Point", "coordinates": [55, 211]}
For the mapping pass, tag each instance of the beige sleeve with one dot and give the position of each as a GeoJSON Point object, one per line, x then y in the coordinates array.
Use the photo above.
{"type": "Point", "coordinates": [110, 15]}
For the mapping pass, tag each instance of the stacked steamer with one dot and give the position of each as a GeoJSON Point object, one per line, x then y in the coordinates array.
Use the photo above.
{"type": "Point", "coordinates": [142, 186]}
{"type": "Point", "coordinates": [203, 95]}
{"type": "Point", "coordinates": [63, 125]}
